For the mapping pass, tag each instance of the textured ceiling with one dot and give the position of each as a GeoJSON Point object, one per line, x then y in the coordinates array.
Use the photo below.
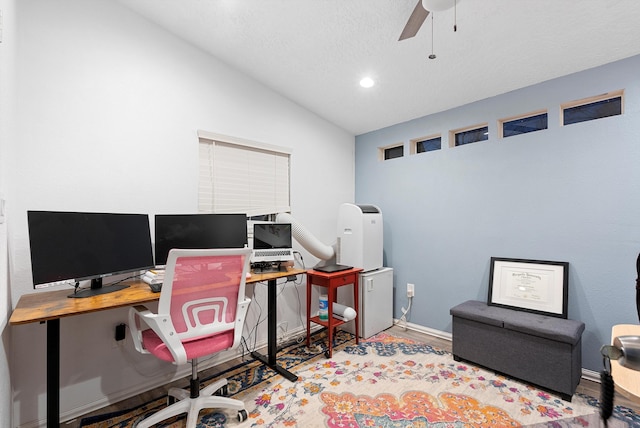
{"type": "Point", "coordinates": [315, 52]}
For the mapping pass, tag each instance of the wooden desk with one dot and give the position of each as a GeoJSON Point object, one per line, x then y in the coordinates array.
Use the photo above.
{"type": "Point", "coordinates": [331, 281]}
{"type": "Point", "coordinates": [50, 306]}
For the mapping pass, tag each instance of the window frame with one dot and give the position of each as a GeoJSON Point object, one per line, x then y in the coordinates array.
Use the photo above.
{"type": "Point", "coordinates": [592, 100]}
{"type": "Point", "coordinates": [413, 143]}
{"type": "Point", "coordinates": [383, 150]}
{"type": "Point", "coordinates": [501, 122]}
{"type": "Point", "coordinates": [454, 132]}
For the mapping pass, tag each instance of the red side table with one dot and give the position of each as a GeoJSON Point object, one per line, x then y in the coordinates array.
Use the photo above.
{"type": "Point", "coordinates": [331, 281]}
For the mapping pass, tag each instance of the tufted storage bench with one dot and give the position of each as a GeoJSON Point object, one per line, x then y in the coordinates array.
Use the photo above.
{"type": "Point", "coordinates": [542, 350]}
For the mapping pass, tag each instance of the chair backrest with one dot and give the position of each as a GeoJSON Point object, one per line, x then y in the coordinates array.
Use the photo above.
{"type": "Point", "coordinates": [202, 288]}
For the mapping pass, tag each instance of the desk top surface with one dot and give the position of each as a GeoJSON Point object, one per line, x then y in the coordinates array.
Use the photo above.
{"type": "Point", "coordinates": [49, 305]}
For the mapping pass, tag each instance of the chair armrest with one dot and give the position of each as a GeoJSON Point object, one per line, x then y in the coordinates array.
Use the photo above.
{"type": "Point", "coordinates": [162, 326]}
{"type": "Point", "coordinates": [137, 325]}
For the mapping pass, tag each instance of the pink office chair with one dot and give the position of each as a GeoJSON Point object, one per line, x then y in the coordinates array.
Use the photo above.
{"type": "Point", "coordinates": [201, 312]}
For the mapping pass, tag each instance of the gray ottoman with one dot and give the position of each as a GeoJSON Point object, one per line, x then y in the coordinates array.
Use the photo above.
{"type": "Point", "coordinates": [541, 350]}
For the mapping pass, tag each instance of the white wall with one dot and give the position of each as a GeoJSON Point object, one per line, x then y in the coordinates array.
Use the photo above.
{"type": "Point", "coordinates": [107, 111]}
{"type": "Point", "coordinates": [566, 194]}
{"type": "Point", "coordinates": [7, 62]}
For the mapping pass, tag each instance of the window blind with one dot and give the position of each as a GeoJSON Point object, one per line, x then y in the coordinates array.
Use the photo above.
{"type": "Point", "coordinates": [240, 176]}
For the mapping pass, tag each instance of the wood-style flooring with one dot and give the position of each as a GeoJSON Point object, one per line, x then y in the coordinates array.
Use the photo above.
{"type": "Point", "coordinates": [585, 387]}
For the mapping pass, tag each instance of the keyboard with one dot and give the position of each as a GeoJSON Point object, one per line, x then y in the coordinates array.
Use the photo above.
{"type": "Point", "coordinates": [272, 253]}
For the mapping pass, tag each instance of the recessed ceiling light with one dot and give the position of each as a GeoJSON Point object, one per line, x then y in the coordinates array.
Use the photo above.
{"type": "Point", "coordinates": [367, 82]}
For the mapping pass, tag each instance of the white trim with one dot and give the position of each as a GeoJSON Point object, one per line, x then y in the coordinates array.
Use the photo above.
{"type": "Point", "coordinates": [424, 330]}
{"type": "Point", "coordinates": [211, 136]}
{"type": "Point", "coordinates": [590, 375]}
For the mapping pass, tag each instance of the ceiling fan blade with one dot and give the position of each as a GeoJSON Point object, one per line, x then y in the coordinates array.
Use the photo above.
{"type": "Point", "coordinates": [415, 21]}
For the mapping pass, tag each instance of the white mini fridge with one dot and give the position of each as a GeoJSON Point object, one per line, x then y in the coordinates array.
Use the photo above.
{"type": "Point", "coordinates": [375, 312]}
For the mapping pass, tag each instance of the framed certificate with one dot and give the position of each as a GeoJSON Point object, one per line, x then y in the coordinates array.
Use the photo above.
{"type": "Point", "coordinates": [530, 285]}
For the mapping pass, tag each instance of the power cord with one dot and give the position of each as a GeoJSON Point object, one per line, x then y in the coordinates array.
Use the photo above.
{"type": "Point", "coordinates": [297, 253]}
{"type": "Point", "coordinates": [300, 337]}
{"type": "Point", "coordinates": [253, 331]}
{"type": "Point", "coordinates": [403, 318]}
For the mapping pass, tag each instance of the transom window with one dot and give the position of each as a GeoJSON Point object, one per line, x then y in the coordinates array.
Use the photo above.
{"type": "Point", "coordinates": [521, 125]}
{"type": "Point", "coordinates": [391, 152]}
{"type": "Point", "coordinates": [426, 144]}
{"type": "Point", "coordinates": [460, 137]}
{"type": "Point", "coordinates": [598, 107]}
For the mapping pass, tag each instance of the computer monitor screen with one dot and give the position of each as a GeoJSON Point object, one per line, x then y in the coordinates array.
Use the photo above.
{"type": "Point", "coordinates": [81, 246]}
{"type": "Point", "coordinates": [198, 231]}
{"type": "Point", "coordinates": [271, 235]}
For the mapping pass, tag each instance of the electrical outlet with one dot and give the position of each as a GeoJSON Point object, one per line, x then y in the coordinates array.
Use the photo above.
{"type": "Point", "coordinates": [121, 332]}
{"type": "Point", "coordinates": [120, 336]}
{"type": "Point", "coordinates": [410, 289]}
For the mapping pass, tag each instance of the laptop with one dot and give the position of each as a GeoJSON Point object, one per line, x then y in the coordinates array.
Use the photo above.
{"type": "Point", "coordinates": [272, 243]}
{"type": "Point", "coordinates": [332, 268]}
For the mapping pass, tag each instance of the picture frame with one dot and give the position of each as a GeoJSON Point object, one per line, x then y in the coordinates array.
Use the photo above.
{"type": "Point", "coordinates": [538, 286]}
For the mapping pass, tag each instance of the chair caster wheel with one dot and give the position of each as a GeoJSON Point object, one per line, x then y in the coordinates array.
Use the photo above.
{"type": "Point", "coordinates": [242, 415]}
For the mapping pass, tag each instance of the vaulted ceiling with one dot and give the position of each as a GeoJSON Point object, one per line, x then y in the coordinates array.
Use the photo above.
{"type": "Point", "coordinates": [315, 52]}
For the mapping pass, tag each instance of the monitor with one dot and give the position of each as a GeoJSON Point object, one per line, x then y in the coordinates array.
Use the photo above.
{"type": "Point", "coordinates": [87, 246]}
{"type": "Point", "coordinates": [198, 231]}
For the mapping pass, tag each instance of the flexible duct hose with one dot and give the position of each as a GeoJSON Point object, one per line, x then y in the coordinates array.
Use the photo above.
{"type": "Point", "coordinates": [305, 238]}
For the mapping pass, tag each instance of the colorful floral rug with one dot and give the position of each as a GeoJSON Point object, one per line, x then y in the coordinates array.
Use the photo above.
{"type": "Point", "coordinates": [389, 381]}
{"type": "Point", "coordinates": [392, 382]}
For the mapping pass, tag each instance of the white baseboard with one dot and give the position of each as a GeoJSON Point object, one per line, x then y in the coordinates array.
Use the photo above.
{"type": "Point", "coordinates": [422, 329]}
{"type": "Point", "coordinates": [590, 375]}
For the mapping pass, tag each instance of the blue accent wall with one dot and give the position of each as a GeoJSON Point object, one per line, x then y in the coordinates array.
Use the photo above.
{"type": "Point", "coordinates": [568, 193]}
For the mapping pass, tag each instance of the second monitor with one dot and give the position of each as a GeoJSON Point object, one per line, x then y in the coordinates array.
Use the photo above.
{"type": "Point", "coordinates": [198, 231]}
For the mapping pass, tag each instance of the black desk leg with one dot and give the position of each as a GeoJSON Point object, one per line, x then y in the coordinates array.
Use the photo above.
{"type": "Point", "coordinates": [272, 337]}
{"type": "Point", "coordinates": [53, 373]}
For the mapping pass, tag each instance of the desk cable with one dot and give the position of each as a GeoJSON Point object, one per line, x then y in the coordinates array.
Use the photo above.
{"type": "Point", "coordinates": [302, 336]}
{"type": "Point", "coordinates": [254, 330]}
